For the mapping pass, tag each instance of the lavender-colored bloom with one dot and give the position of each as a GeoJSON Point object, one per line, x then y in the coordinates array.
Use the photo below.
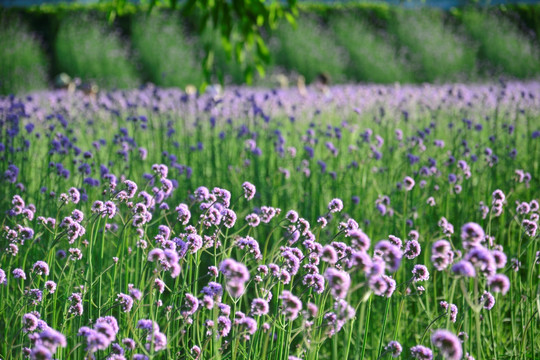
{"type": "Point", "coordinates": [453, 313]}
{"type": "Point", "coordinates": [336, 205]}
{"type": "Point", "coordinates": [40, 352]}
{"type": "Point", "coordinates": [213, 289]}
{"type": "Point", "coordinates": [420, 273]}
{"type": "Point", "coordinates": [41, 268]}
{"type": "Point", "coordinates": [359, 240]}
{"type": "Point", "coordinates": [499, 283]}
{"type": "Point", "coordinates": [394, 348]}
{"type": "Point", "coordinates": [338, 282]}
{"type": "Point", "coordinates": [259, 307]}
{"type": "Point", "coordinates": [249, 190]}
{"type": "Point", "coordinates": [464, 268]}
{"type": "Point", "coordinates": [448, 344]}
{"type": "Point", "coordinates": [408, 183]}
{"type": "Point", "coordinates": [30, 322]}
{"type": "Point", "coordinates": [292, 216]}
{"type": "Point", "coordinates": [421, 352]}
{"type": "Point", "coordinates": [224, 325]}
{"type": "Point", "coordinates": [19, 274]}
{"type": "Point", "coordinates": [390, 253]}
{"type": "Point", "coordinates": [234, 270]}
{"type": "Point", "coordinates": [125, 301]}
{"type": "Point", "coordinates": [291, 305]}
{"type": "Point", "coordinates": [487, 300]}
{"type": "Point", "coordinates": [472, 233]}
{"type": "Point", "coordinates": [51, 339]}
{"type": "Point", "coordinates": [412, 249]}
{"type": "Point", "coordinates": [253, 220]}
{"type": "Point", "coordinates": [191, 304]}
{"type": "Point", "coordinates": [248, 325]}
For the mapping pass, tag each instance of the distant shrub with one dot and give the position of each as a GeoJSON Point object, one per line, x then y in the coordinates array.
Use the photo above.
{"type": "Point", "coordinates": [502, 44]}
{"type": "Point", "coordinates": [310, 50]}
{"type": "Point", "coordinates": [167, 56]}
{"type": "Point", "coordinates": [82, 48]}
{"type": "Point", "coordinates": [373, 58]}
{"type": "Point", "coordinates": [23, 65]}
{"type": "Point", "coordinates": [433, 49]}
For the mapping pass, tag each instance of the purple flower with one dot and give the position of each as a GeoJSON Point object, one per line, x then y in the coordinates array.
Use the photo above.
{"type": "Point", "coordinates": [249, 190]}
{"type": "Point", "coordinates": [2, 276]}
{"type": "Point", "coordinates": [19, 274]}
{"type": "Point", "coordinates": [499, 283]}
{"type": "Point", "coordinates": [394, 348]}
{"type": "Point", "coordinates": [390, 253]}
{"type": "Point", "coordinates": [421, 352]}
{"type": "Point", "coordinates": [412, 249]}
{"type": "Point", "coordinates": [472, 233]}
{"type": "Point", "coordinates": [420, 273]}
{"type": "Point", "coordinates": [292, 216]}
{"type": "Point", "coordinates": [408, 183]}
{"type": "Point", "coordinates": [338, 282]}
{"type": "Point", "coordinates": [125, 301]}
{"type": "Point", "coordinates": [336, 205]}
{"type": "Point", "coordinates": [448, 344]}
{"type": "Point", "coordinates": [464, 268]}
{"type": "Point", "coordinates": [223, 325]}
{"type": "Point", "coordinates": [40, 352]}
{"type": "Point", "coordinates": [359, 240]}
{"type": "Point", "coordinates": [41, 268]}
{"type": "Point", "coordinates": [234, 270]}
{"type": "Point", "coordinates": [51, 339]}
{"type": "Point", "coordinates": [30, 322]}
{"type": "Point", "coordinates": [259, 307]}
{"type": "Point", "coordinates": [291, 305]}
{"type": "Point", "coordinates": [487, 300]}
{"type": "Point", "coordinates": [248, 325]}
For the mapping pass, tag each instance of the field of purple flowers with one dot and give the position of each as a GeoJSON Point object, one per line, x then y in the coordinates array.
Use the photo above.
{"type": "Point", "coordinates": [362, 222]}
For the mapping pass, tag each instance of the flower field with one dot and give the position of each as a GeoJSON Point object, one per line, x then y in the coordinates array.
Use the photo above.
{"type": "Point", "coordinates": [358, 222]}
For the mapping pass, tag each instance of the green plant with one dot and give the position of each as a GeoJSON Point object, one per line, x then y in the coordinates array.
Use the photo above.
{"type": "Point", "coordinates": [434, 51]}
{"type": "Point", "coordinates": [502, 44]}
{"type": "Point", "coordinates": [23, 65]}
{"type": "Point", "coordinates": [373, 58]}
{"type": "Point", "coordinates": [167, 55]}
{"type": "Point", "coordinates": [84, 49]}
{"type": "Point", "coordinates": [309, 49]}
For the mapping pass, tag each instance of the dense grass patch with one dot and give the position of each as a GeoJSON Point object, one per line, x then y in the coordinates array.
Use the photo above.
{"type": "Point", "coordinates": [23, 65]}
{"type": "Point", "coordinates": [167, 56]}
{"type": "Point", "coordinates": [310, 50]}
{"type": "Point", "coordinates": [372, 57]}
{"type": "Point", "coordinates": [501, 44]}
{"type": "Point", "coordinates": [435, 53]}
{"type": "Point", "coordinates": [90, 50]}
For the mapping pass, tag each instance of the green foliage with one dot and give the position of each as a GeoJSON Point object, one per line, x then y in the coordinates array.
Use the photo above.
{"type": "Point", "coordinates": [167, 55]}
{"type": "Point", "coordinates": [82, 48]}
{"type": "Point", "coordinates": [310, 50]}
{"type": "Point", "coordinates": [502, 44]}
{"type": "Point", "coordinates": [23, 65]}
{"type": "Point", "coordinates": [433, 49]}
{"type": "Point", "coordinates": [373, 57]}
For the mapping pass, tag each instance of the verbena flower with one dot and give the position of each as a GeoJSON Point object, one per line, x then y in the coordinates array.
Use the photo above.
{"type": "Point", "coordinates": [448, 344]}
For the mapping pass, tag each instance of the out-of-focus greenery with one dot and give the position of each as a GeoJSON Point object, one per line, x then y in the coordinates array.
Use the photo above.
{"type": "Point", "coordinates": [168, 57]}
{"type": "Point", "coordinates": [372, 56]}
{"type": "Point", "coordinates": [502, 44]}
{"type": "Point", "coordinates": [84, 48]}
{"type": "Point", "coordinates": [436, 53]}
{"type": "Point", "coordinates": [348, 42]}
{"type": "Point", "coordinates": [310, 50]}
{"type": "Point", "coordinates": [23, 64]}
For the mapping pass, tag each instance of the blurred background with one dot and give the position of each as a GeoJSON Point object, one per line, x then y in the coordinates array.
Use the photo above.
{"type": "Point", "coordinates": [79, 44]}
